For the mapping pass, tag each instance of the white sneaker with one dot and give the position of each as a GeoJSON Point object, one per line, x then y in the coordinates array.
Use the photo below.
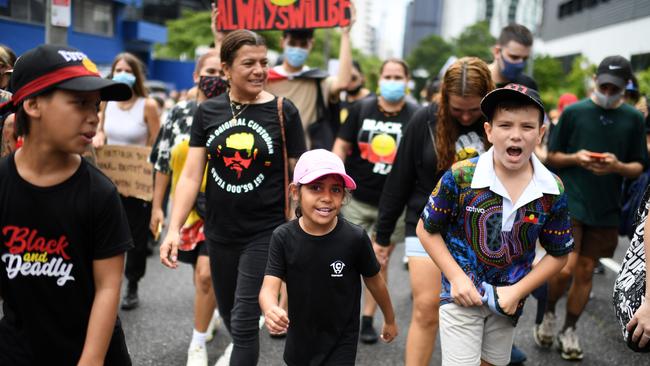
{"type": "Point", "coordinates": [197, 356]}
{"type": "Point", "coordinates": [569, 345]}
{"type": "Point", "coordinates": [215, 322]}
{"type": "Point", "coordinates": [544, 332]}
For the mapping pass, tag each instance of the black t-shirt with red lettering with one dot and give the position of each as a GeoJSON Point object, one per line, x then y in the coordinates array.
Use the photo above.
{"type": "Point", "coordinates": [245, 177]}
{"type": "Point", "coordinates": [375, 138]}
{"type": "Point", "coordinates": [50, 238]}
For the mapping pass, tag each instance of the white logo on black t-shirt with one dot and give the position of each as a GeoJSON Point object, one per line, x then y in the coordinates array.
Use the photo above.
{"type": "Point", "coordinates": [337, 267]}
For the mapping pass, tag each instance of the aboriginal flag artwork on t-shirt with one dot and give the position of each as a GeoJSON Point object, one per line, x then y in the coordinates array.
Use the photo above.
{"type": "Point", "coordinates": [378, 142]}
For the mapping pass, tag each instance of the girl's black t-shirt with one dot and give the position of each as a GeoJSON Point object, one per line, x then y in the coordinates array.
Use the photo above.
{"type": "Point", "coordinates": [323, 276]}
{"type": "Point", "coordinates": [245, 176]}
{"type": "Point", "coordinates": [375, 139]}
{"type": "Point", "coordinates": [50, 238]}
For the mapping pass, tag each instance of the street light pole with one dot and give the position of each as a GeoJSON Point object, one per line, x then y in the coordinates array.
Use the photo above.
{"type": "Point", "coordinates": [54, 34]}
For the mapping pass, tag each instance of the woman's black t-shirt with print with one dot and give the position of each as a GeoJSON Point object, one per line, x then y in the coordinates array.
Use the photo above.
{"type": "Point", "coordinates": [375, 138]}
{"type": "Point", "coordinates": [323, 276]}
{"type": "Point", "coordinates": [50, 238]}
{"type": "Point", "coordinates": [245, 178]}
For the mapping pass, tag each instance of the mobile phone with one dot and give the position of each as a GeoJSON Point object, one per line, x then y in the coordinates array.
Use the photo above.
{"type": "Point", "coordinates": [597, 156]}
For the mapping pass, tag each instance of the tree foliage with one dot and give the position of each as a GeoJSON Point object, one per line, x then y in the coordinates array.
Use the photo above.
{"type": "Point", "coordinates": [184, 34]}
{"type": "Point", "coordinates": [475, 40]}
{"type": "Point", "coordinates": [430, 54]}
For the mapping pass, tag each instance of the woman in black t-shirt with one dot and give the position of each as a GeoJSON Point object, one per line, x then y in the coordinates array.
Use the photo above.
{"type": "Point", "coordinates": [249, 141]}
{"type": "Point", "coordinates": [367, 142]}
{"type": "Point", "coordinates": [436, 137]}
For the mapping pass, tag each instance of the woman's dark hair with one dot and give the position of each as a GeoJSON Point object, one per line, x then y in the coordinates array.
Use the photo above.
{"type": "Point", "coordinates": [138, 71]}
{"type": "Point", "coordinates": [236, 40]}
{"type": "Point", "coordinates": [357, 66]}
{"type": "Point", "coordinates": [7, 56]}
{"type": "Point", "coordinates": [402, 63]}
{"type": "Point", "coordinates": [467, 77]}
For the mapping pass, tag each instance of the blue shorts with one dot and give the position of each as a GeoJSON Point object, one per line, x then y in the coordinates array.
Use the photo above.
{"type": "Point", "coordinates": [413, 247]}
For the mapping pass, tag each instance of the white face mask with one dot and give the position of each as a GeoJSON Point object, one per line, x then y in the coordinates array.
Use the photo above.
{"type": "Point", "coordinates": [607, 101]}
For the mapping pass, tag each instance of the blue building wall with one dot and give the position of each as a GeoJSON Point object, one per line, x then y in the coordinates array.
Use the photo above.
{"type": "Point", "coordinates": [176, 73]}
{"type": "Point", "coordinates": [133, 36]}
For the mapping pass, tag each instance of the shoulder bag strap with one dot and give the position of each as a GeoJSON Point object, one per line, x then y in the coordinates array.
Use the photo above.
{"type": "Point", "coordinates": [287, 207]}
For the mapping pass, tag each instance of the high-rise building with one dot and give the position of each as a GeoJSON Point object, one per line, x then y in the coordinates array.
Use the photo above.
{"type": "Point", "coordinates": [423, 18]}
{"type": "Point", "coordinates": [364, 34]}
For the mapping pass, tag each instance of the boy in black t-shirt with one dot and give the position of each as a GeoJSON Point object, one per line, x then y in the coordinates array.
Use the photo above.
{"type": "Point", "coordinates": [321, 256]}
{"type": "Point", "coordinates": [63, 228]}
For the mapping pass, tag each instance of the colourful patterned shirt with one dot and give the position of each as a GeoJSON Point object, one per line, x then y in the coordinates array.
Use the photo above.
{"type": "Point", "coordinates": [491, 238]}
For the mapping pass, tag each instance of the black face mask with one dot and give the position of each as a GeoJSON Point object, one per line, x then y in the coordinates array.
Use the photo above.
{"type": "Point", "coordinates": [355, 91]}
{"type": "Point", "coordinates": [212, 86]}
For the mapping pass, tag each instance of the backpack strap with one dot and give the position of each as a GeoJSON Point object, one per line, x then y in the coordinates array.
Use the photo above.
{"type": "Point", "coordinates": [432, 111]}
{"type": "Point", "coordinates": [287, 207]}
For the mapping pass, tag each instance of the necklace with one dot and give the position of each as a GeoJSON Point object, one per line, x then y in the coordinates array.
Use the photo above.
{"type": "Point", "coordinates": [240, 107]}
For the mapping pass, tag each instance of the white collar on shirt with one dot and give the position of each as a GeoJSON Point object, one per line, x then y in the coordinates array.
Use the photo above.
{"type": "Point", "coordinates": [485, 176]}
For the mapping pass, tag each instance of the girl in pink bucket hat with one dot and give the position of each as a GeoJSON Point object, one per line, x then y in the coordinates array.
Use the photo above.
{"type": "Point", "coordinates": [321, 257]}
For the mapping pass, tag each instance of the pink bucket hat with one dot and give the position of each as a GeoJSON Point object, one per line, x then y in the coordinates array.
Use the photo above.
{"type": "Point", "coordinates": [317, 163]}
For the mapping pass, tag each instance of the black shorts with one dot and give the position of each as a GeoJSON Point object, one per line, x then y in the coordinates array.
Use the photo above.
{"type": "Point", "coordinates": [191, 256]}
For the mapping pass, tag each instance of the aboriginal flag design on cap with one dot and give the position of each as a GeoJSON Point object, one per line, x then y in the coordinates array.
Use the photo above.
{"type": "Point", "coordinates": [49, 66]}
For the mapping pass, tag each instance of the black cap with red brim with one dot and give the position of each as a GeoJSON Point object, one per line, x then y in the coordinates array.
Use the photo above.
{"type": "Point", "coordinates": [52, 66]}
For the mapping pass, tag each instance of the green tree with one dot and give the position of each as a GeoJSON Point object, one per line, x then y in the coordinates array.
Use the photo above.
{"type": "Point", "coordinates": [644, 81]}
{"type": "Point", "coordinates": [577, 81]}
{"type": "Point", "coordinates": [475, 40]}
{"type": "Point", "coordinates": [192, 29]}
{"type": "Point", "coordinates": [430, 54]}
{"type": "Point", "coordinates": [548, 73]}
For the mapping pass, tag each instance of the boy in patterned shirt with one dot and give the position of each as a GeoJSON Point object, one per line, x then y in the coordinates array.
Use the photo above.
{"type": "Point", "coordinates": [481, 224]}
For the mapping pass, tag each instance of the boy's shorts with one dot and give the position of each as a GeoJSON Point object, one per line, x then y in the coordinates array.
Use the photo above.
{"type": "Point", "coordinates": [469, 334]}
{"type": "Point", "coordinates": [594, 241]}
{"type": "Point", "coordinates": [414, 248]}
{"type": "Point", "coordinates": [365, 215]}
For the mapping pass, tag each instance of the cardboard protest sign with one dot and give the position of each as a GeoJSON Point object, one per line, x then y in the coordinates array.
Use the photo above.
{"type": "Point", "coordinates": [282, 14]}
{"type": "Point", "coordinates": [129, 169]}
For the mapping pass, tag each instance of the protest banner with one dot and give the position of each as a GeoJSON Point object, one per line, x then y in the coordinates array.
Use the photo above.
{"type": "Point", "coordinates": [129, 169]}
{"type": "Point", "coordinates": [282, 14]}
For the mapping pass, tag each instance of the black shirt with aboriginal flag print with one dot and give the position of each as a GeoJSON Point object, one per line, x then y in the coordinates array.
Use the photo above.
{"type": "Point", "coordinates": [375, 138]}
{"type": "Point", "coordinates": [245, 177]}
{"type": "Point", "coordinates": [50, 238]}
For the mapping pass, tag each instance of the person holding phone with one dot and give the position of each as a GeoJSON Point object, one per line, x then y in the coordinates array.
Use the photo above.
{"type": "Point", "coordinates": [585, 147]}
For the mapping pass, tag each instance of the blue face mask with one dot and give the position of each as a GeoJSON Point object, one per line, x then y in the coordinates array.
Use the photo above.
{"type": "Point", "coordinates": [296, 56]}
{"type": "Point", "coordinates": [511, 70]}
{"type": "Point", "coordinates": [392, 90]}
{"type": "Point", "coordinates": [124, 77]}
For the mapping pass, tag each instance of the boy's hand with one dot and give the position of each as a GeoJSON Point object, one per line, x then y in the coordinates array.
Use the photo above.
{"type": "Point", "coordinates": [464, 292]}
{"type": "Point", "coordinates": [641, 320]}
{"type": "Point", "coordinates": [508, 299]}
{"type": "Point", "coordinates": [389, 332]}
{"type": "Point", "coordinates": [169, 249]}
{"type": "Point", "coordinates": [606, 165]}
{"type": "Point", "coordinates": [381, 252]}
{"type": "Point", "coordinates": [583, 159]}
{"type": "Point", "coordinates": [276, 320]}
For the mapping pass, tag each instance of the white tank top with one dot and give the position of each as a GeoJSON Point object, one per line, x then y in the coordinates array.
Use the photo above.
{"type": "Point", "coordinates": [126, 127]}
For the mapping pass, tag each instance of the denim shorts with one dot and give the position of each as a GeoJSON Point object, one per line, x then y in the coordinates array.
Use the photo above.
{"type": "Point", "coordinates": [414, 248]}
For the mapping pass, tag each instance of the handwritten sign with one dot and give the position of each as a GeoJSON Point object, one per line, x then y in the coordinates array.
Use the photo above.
{"type": "Point", "coordinates": [129, 169]}
{"type": "Point", "coordinates": [282, 14]}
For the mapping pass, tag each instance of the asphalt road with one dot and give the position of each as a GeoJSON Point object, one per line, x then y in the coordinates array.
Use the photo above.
{"type": "Point", "coordinates": [159, 331]}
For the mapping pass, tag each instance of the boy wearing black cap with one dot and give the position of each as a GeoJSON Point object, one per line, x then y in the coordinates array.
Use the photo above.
{"type": "Point", "coordinates": [481, 224]}
{"type": "Point", "coordinates": [63, 229]}
{"type": "Point", "coordinates": [596, 143]}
